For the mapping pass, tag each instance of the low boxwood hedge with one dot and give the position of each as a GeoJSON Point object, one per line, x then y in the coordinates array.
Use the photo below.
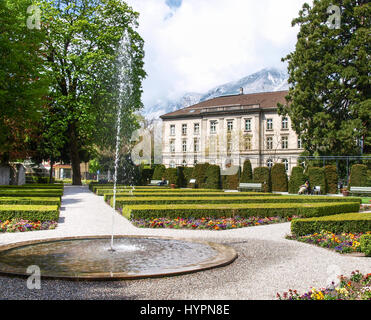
{"type": "Point", "coordinates": [31, 200]}
{"type": "Point", "coordinates": [108, 196]}
{"type": "Point", "coordinates": [29, 212]}
{"type": "Point", "coordinates": [238, 209]}
{"type": "Point", "coordinates": [350, 222]}
{"type": "Point", "coordinates": [33, 186]}
{"type": "Point", "coordinates": [31, 193]}
{"type": "Point", "coordinates": [122, 201]}
{"type": "Point", "coordinates": [365, 242]}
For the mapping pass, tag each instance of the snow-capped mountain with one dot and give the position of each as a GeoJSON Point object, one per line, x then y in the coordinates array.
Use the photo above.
{"type": "Point", "coordinates": [266, 80]}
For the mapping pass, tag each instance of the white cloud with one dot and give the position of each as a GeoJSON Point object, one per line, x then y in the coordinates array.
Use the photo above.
{"type": "Point", "coordinates": [208, 42]}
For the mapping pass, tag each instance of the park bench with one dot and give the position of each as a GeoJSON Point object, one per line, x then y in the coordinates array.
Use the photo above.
{"type": "Point", "coordinates": [156, 182]}
{"type": "Point", "coordinates": [360, 190]}
{"type": "Point", "coordinates": [250, 186]}
{"type": "Point", "coordinates": [316, 190]}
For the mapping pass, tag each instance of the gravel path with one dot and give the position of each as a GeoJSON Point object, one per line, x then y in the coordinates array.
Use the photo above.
{"type": "Point", "coordinates": [267, 262]}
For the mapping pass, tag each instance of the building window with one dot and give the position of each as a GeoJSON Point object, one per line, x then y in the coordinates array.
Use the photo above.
{"type": "Point", "coordinates": [172, 164]}
{"type": "Point", "coordinates": [247, 143]}
{"type": "Point", "coordinates": [269, 124]}
{"type": "Point", "coordinates": [285, 142]}
{"type": "Point", "coordinates": [196, 145]}
{"type": "Point", "coordinates": [196, 128]}
{"type": "Point", "coordinates": [229, 146]}
{"type": "Point", "coordinates": [212, 126]}
{"type": "Point", "coordinates": [247, 124]}
{"type": "Point", "coordinates": [184, 129]}
{"type": "Point", "coordinates": [195, 160]}
{"type": "Point", "coordinates": [286, 163]}
{"type": "Point", "coordinates": [172, 146]}
{"type": "Point", "coordinates": [285, 123]}
{"type": "Point", "coordinates": [184, 162]}
{"type": "Point", "coordinates": [230, 125]}
{"type": "Point", "coordinates": [299, 144]}
{"type": "Point", "coordinates": [269, 163]}
{"type": "Point", "coordinates": [269, 143]}
{"type": "Point", "coordinates": [172, 129]}
{"type": "Point", "coordinates": [184, 145]}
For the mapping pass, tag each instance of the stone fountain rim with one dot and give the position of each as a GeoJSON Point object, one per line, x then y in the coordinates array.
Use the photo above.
{"type": "Point", "coordinates": [226, 255]}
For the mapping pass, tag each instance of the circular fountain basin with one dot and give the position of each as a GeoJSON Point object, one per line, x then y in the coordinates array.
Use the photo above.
{"type": "Point", "coordinates": [134, 257]}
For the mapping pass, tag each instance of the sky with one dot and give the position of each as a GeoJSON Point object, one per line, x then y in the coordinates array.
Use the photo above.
{"type": "Point", "coordinates": [195, 45]}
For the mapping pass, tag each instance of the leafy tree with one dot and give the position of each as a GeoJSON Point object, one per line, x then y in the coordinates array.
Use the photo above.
{"type": "Point", "coordinates": [329, 75]}
{"type": "Point", "coordinates": [83, 39]}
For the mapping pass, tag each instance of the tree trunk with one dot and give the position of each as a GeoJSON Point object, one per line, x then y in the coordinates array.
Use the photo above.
{"type": "Point", "coordinates": [51, 171]}
{"type": "Point", "coordinates": [75, 157]}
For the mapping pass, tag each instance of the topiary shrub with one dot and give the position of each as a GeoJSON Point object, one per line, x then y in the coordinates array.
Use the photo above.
{"type": "Point", "coordinates": [213, 177]}
{"type": "Point", "coordinates": [365, 243]}
{"type": "Point", "coordinates": [159, 172]}
{"type": "Point", "coordinates": [279, 178]}
{"type": "Point", "coordinates": [171, 175]}
{"type": "Point", "coordinates": [246, 175]}
{"type": "Point", "coordinates": [187, 172]}
{"type": "Point", "coordinates": [358, 176]}
{"type": "Point", "coordinates": [145, 175]}
{"type": "Point", "coordinates": [317, 178]}
{"type": "Point", "coordinates": [182, 182]}
{"type": "Point", "coordinates": [199, 173]}
{"type": "Point", "coordinates": [297, 179]}
{"type": "Point", "coordinates": [331, 177]}
{"type": "Point", "coordinates": [262, 175]}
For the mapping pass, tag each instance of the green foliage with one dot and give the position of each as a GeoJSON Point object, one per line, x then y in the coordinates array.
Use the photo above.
{"type": "Point", "coordinates": [366, 244]}
{"type": "Point", "coordinates": [94, 166]}
{"type": "Point", "coordinates": [30, 193]}
{"type": "Point", "coordinates": [213, 177]}
{"type": "Point", "coordinates": [159, 172]}
{"type": "Point", "coordinates": [199, 173]}
{"type": "Point", "coordinates": [279, 178]}
{"type": "Point", "coordinates": [329, 97]}
{"type": "Point", "coordinates": [358, 176]}
{"type": "Point", "coordinates": [317, 178]}
{"type": "Point", "coordinates": [297, 179]}
{"type": "Point", "coordinates": [187, 172]}
{"type": "Point", "coordinates": [339, 223]}
{"type": "Point", "coordinates": [31, 200]}
{"type": "Point", "coordinates": [263, 175]}
{"type": "Point", "coordinates": [29, 212]}
{"type": "Point", "coordinates": [332, 178]}
{"type": "Point", "coordinates": [171, 175]}
{"type": "Point", "coordinates": [182, 181]}
{"type": "Point", "coordinates": [145, 175]}
{"type": "Point", "coordinates": [246, 175]}
{"type": "Point", "coordinates": [238, 209]}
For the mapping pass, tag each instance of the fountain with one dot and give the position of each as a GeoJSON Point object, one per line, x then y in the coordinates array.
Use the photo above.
{"type": "Point", "coordinates": [128, 257]}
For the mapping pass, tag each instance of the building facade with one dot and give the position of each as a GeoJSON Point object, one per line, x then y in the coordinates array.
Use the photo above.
{"type": "Point", "coordinates": [229, 129]}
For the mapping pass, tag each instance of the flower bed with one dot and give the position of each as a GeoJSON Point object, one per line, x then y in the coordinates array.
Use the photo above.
{"type": "Point", "coordinates": [342, 243]}
{"type": "Point", "coordinates": [355, 287]}
{"type": "Point", "coordinates": [20, 225]}
{"type": "Point", "coordinates": [207, 223]}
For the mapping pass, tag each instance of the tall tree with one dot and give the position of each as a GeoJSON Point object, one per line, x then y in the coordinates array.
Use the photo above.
{"type": "Point", "coordinates": [82, 43]}
{"type": "Point", "coordinates": [22, 79]}
{"type": "Point", "coordinates": [329, 99]}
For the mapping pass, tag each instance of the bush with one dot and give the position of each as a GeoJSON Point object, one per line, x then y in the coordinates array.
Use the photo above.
{"type": "Point", "coordinates": [30, 193]}
{"type": "Point", "coordinates": [366, 244]}
{"type": "Point", "coordinates": [331, 178]}
{"type": "Point", "coordinates": [358, 176]}
{"type": "Point", "coordinates": [317, 178]}
{"type": "Point", "coordinates": [263, 175]}
{"type": "Point", "coordinates": [145, 175]}
{"type": "Point", "coordinates": [187, 172]}
{"type": "Point", "coordinates": [213, 180]}
{"type": "Point", "coordinates": [230, 182]}
{"type": "Point", "coordinates": [182, 182]}
{"type": "Point", "coordinates": [237, 209]}
{"type": "Point", "coordinates": [159, 172]}
{"type": "Point", "coordinates": [199, 173]}
{"type": "Point", "coordinates": [279, 178]}
{"type": "Point", "coordinates": [339, 223]}
{"type": "Point", "coordinates": [297, 179]}
{"type": "Point", "coordinates": [171, 175]}
{"type": "Point", "coordinates": [31, 200]}
{"type": "Point", "coordinates": [246, 175]}
{"type": "Point", "coordinates": [29, 212]}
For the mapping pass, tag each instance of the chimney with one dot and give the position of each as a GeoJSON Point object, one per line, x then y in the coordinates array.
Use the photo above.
{"type": "Point", "coordinates": [241, 90]}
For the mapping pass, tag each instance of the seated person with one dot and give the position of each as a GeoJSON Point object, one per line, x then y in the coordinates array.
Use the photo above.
{"type": "Point", "coordinates": [163, 182]}
{"type": "Point", "coordinates": [304, 188]}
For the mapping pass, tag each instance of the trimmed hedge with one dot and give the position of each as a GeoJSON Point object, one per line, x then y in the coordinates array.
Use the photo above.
{"type": "Point", "coordinates": [230, 182]}
{"type": "Point", "coordinates": [279, 178]}
{"type": "Point", "coordinates": [190, 193]}
{"type": "Point", "coordinates": [171, 175]}
{"type": "Point", "coordinates": [159, 172]}
{"type": "Point", "coordinates": [246, 175]}
{"type": "Point", "coordinates": [297, 179]}
{"type": "Point", "coordinates": [30, 193]}
{"type": "Point", "coordinates": [34, 186]}
{"type": "Point", "coordinates": [358, 176]}
{"type": "Point", "coordinates": [158, 200]}
{"type": "Point", "coordinates": [187, 172]}
{"type": "Point", "coordinates": [233, 209]}
{"type": "Point", "coordinates": [350, 222]}
{"type": "Point", "coordinates": [263, 175]}
{"type": "Point", "coordinates": [332, 178]}
{"type": "Point", "coordinates": [317, 178]}
{"type": "Point", "coordinates": [31, 200]}
{"type": "Point", "coordinates": [199, 173]}
{"type": "Point", "coordinates": [213, 180]}
{"type": "Point", "coordinates": [365, 242]}
{"type": "Point", "coordinates": [29, 212]}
